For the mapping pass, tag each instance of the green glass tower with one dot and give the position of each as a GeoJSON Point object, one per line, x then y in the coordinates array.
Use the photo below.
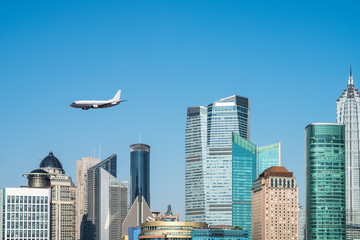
{"type": "Point", "coordinates": [325, 181]}
{"type": "Point", "coordinates": [248, 162]}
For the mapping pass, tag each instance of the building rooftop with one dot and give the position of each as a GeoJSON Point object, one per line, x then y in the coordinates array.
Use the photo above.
{"type": "Point", "coordinates": [140, 147]}
{"type": "Point", "coordinates": [276, 171]}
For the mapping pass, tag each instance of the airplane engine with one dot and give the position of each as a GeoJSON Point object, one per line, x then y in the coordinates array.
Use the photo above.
{"type": "Point", "coordinates": [95, 106]}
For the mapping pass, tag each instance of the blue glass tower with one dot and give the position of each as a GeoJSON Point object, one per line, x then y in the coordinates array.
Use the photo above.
{"type": "Point", "coordinates": [140, 172]}
{"type": "Point", "coordinates": [248, 162]}
{"type": "Point", "coordinates": [325, 181]}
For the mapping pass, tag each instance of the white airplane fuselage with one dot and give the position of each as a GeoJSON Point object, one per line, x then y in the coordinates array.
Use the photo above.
{"type": "Point", "coordinates": [87, 104]}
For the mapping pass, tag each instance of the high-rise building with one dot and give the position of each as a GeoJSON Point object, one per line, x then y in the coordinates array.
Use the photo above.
{"type": "Point", "coordinates": [325, 181]}
{"type": "Point", "coordinates": [107, 202]}
{"type": "Point", "coordinates": [62, 199]}
{"type": "Point", "coordinates": [195, 158]}
{"type": "Point", "coordinates": [208, 160]}
{"type": "Point", "coordinates": [140, 172]}
{"type": "Point", "coordinates": [139, 187]}
{"type": "Point", "coordinates": [248, 162]}
{"type": "Point", "coordinates": [25, 213]}
{"type": "Point", "coordinates": [348, 113]}
{"type": "Point", "coordinates": [275, 205]}
{"type": "Point", "coordinates": [82, 167]}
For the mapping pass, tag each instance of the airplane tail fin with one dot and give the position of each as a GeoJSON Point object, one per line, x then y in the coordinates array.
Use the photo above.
{"type": "Point", "coordinates": [117, 96]}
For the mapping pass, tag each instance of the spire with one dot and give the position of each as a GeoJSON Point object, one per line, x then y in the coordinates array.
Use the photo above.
{"type": "Point", "coordinates": [351, 80]}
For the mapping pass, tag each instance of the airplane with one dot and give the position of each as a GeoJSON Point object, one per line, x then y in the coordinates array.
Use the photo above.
{"type": "Point", "coordinates": [87, 104]}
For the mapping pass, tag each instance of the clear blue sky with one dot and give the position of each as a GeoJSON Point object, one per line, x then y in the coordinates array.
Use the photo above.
{"type": "Point", "coordinates": [291, 58]}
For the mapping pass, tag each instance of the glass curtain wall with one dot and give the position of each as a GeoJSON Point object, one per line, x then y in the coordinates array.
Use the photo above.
{"type": "Point", "coordinates": [325, 181]}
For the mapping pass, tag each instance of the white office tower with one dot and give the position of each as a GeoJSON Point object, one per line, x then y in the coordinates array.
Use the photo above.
{"type": "Point", "coordinates": [195, 157]}
{"type": "Point", "coordinates": [82, 167]}
{"type": "Point", "coordinates": [25, 213]}
{"type": "Point", "coordinates": [348, 113]}
{"type": "Point", "coordinates": [208, 158]}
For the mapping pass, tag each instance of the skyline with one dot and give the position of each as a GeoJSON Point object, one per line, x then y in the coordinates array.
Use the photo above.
{"type": "Point", "coordinates": [166, 57]}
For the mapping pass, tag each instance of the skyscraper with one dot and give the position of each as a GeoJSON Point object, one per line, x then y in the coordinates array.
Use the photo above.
{"type": "Point", "coordinates": [275, 205]}
{"type": "Point", "coordinates": [325, 181]}
{"type": "Point", "coordinates": [140, 172]}
{"type": "Point", "coordinates": [248, 162]}
{"type": "Point", "coordinates": [348, 113]}
{"type": "Point", "coordinates": [82, 167]}
{"type": "Point", "coordinates": [195, 158]}
{"type": "Point", "coordinates": [139, 187]}
{"type": "Point", "coordinates": [62, 200]}
{"type": "Point", "coordinates": [208, 147]}
{"type": "Point", "coordinates": [107, 202]}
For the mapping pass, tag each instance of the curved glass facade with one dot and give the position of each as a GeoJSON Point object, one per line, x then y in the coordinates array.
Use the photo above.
{"type": "Point", "coordinates": [325, 181]}
{"type": "Point", "coordinates": [140, 172]}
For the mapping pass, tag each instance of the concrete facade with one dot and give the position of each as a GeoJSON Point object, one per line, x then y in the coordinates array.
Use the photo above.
{"type": "Point", "coordinates": [275, 205]}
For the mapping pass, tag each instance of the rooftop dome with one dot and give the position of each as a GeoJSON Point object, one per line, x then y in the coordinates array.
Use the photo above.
{"type": "Point", "coordinates": [51, 162]}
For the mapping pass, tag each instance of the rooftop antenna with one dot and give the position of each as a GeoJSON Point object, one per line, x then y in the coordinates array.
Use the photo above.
{"type": "Point", "coordinates": [139, 137]}
{"type": "Point", "coordinates": [351, 80]}
{"type": "Point", "coordinates": [94, 152]}
{"type": "Point", "coordinates": [100, 152]}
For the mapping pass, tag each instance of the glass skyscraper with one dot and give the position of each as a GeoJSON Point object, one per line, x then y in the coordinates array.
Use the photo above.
{"type": "Point", "coordinates": [348, 113]}
{"type": "Point", "coordinates": [208, 147]}
{"type": "Point", "coordinates": [325, 181]}
{"type": "Point", "coordinates": [107, 202]}
{"type": "Point", "coordinates": [140, 172]}
{"type": "Point", "coordinates": [248, 162]}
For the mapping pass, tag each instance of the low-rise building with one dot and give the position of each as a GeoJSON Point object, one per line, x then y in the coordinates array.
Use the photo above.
{"type": "Point", "coordinates": [25, 213]}
{"type": "Point", "coordinates": [161, 230]}
{"type": "Point", "coordinates": [219, 233]}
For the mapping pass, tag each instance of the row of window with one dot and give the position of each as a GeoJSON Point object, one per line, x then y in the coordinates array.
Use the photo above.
{"type": "Point", "coordinates": [27, 199]}
{"type": "Point", "coordinates": [282, 182]}
{"type": "Point", "coordinates": [27, 216]}
{"type": "Point", "coordinates": [26, 208]}
{"type": "Point", "coordinates": [25, 225]}
{"type": "Point", "coordinates": [27, 233]}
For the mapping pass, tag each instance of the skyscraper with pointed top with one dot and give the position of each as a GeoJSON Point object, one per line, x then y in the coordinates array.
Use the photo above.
{"type": "Point", "coordinates": [348, 113]}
